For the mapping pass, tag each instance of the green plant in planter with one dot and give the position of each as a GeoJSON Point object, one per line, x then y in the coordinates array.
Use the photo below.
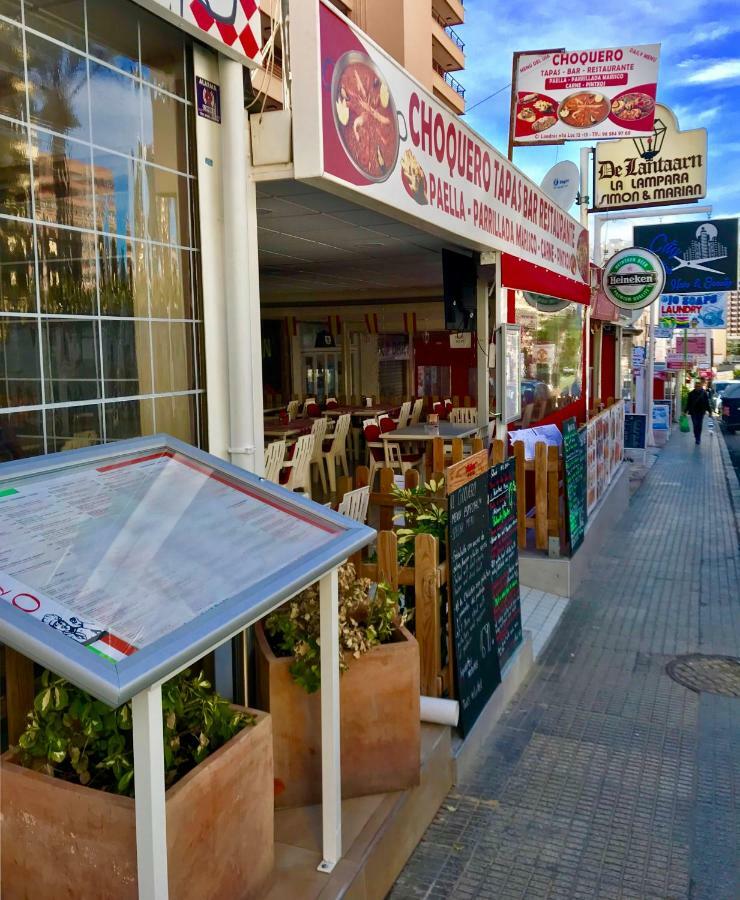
{"type": "Point", "coordinates": [421, 515]}
{"type": "Point", "coordinates": [365, 620]}
{"type": "Point", "coordinates": [73, 736]}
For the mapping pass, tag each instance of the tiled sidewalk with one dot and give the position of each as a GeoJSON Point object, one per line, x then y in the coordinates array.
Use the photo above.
{"type": "Point", "coordinates": [606, 779]}
{"type": "Point", "coordinates": [541, 613]}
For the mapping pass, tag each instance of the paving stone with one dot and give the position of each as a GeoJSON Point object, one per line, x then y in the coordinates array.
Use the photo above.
{"type": "Point", "coordinates": [605, 778]}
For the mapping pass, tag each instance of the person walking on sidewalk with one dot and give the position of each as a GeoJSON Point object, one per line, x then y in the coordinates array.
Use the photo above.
{"type": "Point", "coordinates": [697, 406]}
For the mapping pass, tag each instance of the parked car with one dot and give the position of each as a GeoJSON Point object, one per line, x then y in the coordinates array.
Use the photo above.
{"type": "Point", "coordinates": [730, 399]}
{"type": "Point", "coordinates": [714, 399]}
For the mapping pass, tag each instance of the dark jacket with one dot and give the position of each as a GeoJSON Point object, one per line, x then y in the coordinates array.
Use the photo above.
{"type": "Point", "coordinates": [697, 403]}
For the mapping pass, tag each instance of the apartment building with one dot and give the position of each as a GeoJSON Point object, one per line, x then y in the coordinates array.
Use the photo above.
{"type": "Point", "coordinates": [420, 34]}
{"type": "Point", "coordinates": [733, 315]}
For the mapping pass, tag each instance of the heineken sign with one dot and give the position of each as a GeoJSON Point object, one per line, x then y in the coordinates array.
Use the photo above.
{"type": "Point", "coordinates": [633, 278]}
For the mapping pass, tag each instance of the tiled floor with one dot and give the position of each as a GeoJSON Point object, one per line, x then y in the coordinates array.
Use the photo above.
{"type": "Point", "coordinates": [541, 613]}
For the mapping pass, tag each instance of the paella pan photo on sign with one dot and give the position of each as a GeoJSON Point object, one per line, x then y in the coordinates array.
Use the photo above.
{"type": "Point", "coordinates": [365, 115]}
{"type": "Point", "coordinates": [413, 178]}
{"type": "Point", "coordinates": [632, 106]}
{"type": "Point", "coordinates": [584, 109]}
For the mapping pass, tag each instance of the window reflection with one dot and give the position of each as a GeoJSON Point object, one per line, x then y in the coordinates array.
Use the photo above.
{"type": "Point", "coordinates": [112, 36]}
{"type": "Point", "coordinates": [164, 119]}
{"type": "Point", "coordinates": [17, 273]}
{"type": "Point", "coordinates": [67, 273]}
{"type": "Point", "coordinates": [21, 435]}
{"type": "Point", "coordinates": [119, 194]}
{"type": "Point", "coordinates": [20, 374]}
{"type": "Point", "coordinates": [172, 344]}
{"type": "Point", "coordinates": [15, 172]}
{"type": "Point", "coordinates": [62, 180]}
{"type": "Point", "coordinates": [128, 419]}
{"type": "Point", "coordinates": [73, 427]}
{"type": "Point", "coordinates": [60, 19]}
{"type": "Point", "coordinates": [162, 55]}
{"type": "Point", "coordinates": [176, 416]}
{"type": "Point", "coordinates": [126, 358]}
{"type": "Point", "coordinates": [170, 282]}
{"type": "Point", "coordinates": [123, 278]}
{"type": "Point", "coordinates": [116, 112]}
{"type": "Point", "coordinates": [12, 76]}
{"type": "Point", "coordinates": [11, 9]}
{"type": "Point", "coordinates": [71, 360]}
{"type": "Point", "coordinates": [57, 88]}
{"type": "Point", "coordinates": [167, 213]}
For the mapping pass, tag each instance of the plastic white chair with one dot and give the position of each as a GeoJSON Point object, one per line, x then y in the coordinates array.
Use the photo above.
{"type": "Point", "coordinates": [354, 504]}
{"type": "Point", "coordinates": [398, 461]}
{"type": "Point", "coordinates": [318, 430]}
{"type": "Point", "coordinates": [292, 409]}
{"type": "Point", "coordinates": [403, 415]}
{"type": "Point", "coordinates": [416, 412]}
{"type": "Point", "coordinates": [336, 452]}
{"type": "Point", "coordinates": [299, 478]}
{"type": "Point", "coordinates": [274, 457]}
{"type": "Point", "coordinates": [464, 415]}
{"type": "Point", "coordinates": [375, 447]}
{"type": "Point", "coordinates": [304, 407]}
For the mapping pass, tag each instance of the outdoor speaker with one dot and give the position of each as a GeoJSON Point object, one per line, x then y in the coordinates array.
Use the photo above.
{"type": "Point", "coordinates": [459, 277]}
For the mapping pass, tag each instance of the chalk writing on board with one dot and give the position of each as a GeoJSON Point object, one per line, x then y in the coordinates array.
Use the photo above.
{"type": "Point", "coordinates": [507, 615]}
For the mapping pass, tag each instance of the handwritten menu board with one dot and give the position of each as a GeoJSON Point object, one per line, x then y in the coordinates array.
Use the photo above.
{"type": "Point", "coordinates": [507, 614]}
{"type": "Point", "coordinates": [574, 459]}
{"type": "Point", "coordinates": [635, 431]}
{"type": "Point", "coordinates": [476, 659]}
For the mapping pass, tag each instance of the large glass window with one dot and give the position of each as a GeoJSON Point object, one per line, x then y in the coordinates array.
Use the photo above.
{"type": "Point", "coordinates": [552, 341]}
{"type": "Point", "coordinates": [99, 318]}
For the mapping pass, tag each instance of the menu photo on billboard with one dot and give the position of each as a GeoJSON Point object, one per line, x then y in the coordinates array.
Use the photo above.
{"type": "Point", "coordinates": [698, 257]}
{"type": "Point", "coordinates": [576, 95]}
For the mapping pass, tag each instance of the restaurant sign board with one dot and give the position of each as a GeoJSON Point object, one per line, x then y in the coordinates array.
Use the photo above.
{"type": "Point", "coordinates": [694, 310]}
{"type": "Point", "coordinates": [699, 257]}
{"type": "Point", "coordinates": [633, 278]}
{"type": "Point", "coordinates": [233, 27]}
{"type": "Point", "coordinates": [668, 166]}
{"type": "Point", "coordinates": [578, 95]}
{"type": "Point", "coordinates": [385, 141]}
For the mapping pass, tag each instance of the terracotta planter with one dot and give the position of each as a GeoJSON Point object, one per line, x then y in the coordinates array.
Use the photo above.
{"type": "Point", "coordinates": [63, 840]}
{"type": "Point", "coordinates": [380, 725]}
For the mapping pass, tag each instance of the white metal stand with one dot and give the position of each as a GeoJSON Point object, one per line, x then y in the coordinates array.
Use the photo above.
{"type": "Point", "coordinates": [151, 820]}
{"type": "Point", "coordinates": [331, 775]}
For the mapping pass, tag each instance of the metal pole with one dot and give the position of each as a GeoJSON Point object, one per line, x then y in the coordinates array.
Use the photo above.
{"type": "Point", "coordinates": [649, 372]}
{"type": "Point", "coordinates": [151, 818]}
{"type": "Point", "coordinates": [331, 776]}
{"type": "Point", "coordinates": [482, 336]}
{"type": "Point", "coordinates": [501, 312]}
{"type": "Point", "coordinates": [241, 276]}
{"type": "Point", "coordinates": [583, 201]}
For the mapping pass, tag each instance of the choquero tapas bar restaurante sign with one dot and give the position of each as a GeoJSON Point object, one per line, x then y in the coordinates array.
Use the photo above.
{"type": "Point", "coordinates": [384, 137]}
{"type": "Point", "coordinates": [576, 95]}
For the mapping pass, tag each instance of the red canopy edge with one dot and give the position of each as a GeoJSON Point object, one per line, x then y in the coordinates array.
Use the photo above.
{"type": "Point", "coordinates": [521, 275]}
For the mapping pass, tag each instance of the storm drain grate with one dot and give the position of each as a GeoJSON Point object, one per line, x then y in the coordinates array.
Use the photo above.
{"type": "Point", "coordinates": [714, 674]}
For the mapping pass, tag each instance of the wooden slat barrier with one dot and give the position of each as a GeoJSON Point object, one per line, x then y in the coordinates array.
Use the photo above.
{"type": "Point", "coordinates": [19, 692]}
{"type": "Point", "coordinates": [546, 515]}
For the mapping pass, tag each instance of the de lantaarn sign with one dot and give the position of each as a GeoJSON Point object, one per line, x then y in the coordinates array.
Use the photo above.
{"type": "Point", "coordinates": [633, 278]}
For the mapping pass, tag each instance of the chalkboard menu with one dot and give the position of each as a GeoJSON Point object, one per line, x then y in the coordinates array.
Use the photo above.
{"type": "Point", "coordinates": [507, 613]}
{"type": "Point", "coordinates": [476, 659]}
{"type": "Point", "coordinates": [635, 431]}
{"type": "Point", "coordinates": [574, 459]}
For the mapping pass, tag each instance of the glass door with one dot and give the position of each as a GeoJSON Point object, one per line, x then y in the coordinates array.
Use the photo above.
{"type": "Point", "coordinates": [322, 373]}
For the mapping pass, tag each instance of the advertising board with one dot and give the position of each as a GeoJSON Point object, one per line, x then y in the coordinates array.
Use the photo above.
{"type": "Point", "coordinates": [694, 310]}
{"type": "Point", "coordinates": [633, 278]}
{"type": "Point", "coordinates": [380, 138]}
{"type": "Point", "coordinates": [578, 95]}
{"type": "Point", "coordinates": [668, 166]}
{"type": "Point", "coordinates": [699, 257]}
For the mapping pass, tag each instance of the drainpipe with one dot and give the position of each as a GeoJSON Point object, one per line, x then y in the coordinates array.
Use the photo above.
{"type": "Point", "coordinates": [241, 276]}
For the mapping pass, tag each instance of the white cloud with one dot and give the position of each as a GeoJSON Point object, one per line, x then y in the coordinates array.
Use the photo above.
{"type": "Point", "coordinates": [689, 117]}
{"type": "Point", "coordinates": [721, 70]}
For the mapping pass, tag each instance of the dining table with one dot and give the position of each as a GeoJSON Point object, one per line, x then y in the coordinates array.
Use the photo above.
{"type": "Point", "coordinates": [423, 432]}
{"type": "Point", "coordinates": [274, 428]}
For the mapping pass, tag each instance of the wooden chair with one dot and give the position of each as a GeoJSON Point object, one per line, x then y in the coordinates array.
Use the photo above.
{"type": "Point", "coordinates": [274, 456]}
{"type": "Point", "coordinates": [318, 430]}
{"type": "Point", "coordinates": [464, 415]}
{"type": "Point", "coordinates": [416, 412]}
{"type": "Point", "coordinates": [403, 415]}
{"type": "Point", "coordinates": [296, 472]}
{"type": "Point", "coordinates": [292, 409]}
{"type": "Point", "coordinates": [335, 451]}
{"type": "Point", "coordinates": [354, 504]}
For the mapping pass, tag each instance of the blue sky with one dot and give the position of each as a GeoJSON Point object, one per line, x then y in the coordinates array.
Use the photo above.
{"type": "Point", "coordinates": [699, 72]}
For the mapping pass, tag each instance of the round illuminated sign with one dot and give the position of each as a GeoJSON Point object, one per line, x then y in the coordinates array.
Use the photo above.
{"type": "Point", "coordinates": [633, 278]}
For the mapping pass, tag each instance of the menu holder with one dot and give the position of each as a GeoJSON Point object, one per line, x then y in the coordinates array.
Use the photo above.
{"type": "Point", "coordinates": [507, 613]}
{"type": "Point", "coordinates": [476, 663]}
{"type": "Point", "coordinates": [575, 469]}
{"type": "Point", "coordinates": [635, 431]}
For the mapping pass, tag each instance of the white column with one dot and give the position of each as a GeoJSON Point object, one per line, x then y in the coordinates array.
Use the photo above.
{"type": "Point", "coordinates": [241, 276]}
{"type": "Point", "coordinates": [331, 775]}
{"type": "Point", "coordinates": [583, 208]}
{"type": "Point", "coordinates": [649, 370]}
{"type": "Point", "coordinates": [483, 337]}
{"type": "Point", "coordinates": [501, 313]}
{"type": "Point", "coordinates": [151, 819]}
